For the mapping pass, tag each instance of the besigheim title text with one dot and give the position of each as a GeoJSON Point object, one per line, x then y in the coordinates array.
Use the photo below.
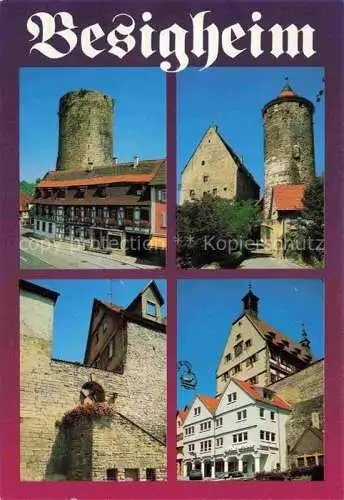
{"type": "Point", "coordinates": [57, 36]}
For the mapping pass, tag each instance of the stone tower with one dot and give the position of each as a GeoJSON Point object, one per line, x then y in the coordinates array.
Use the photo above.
{"type": "Point", "coordinates": [288, 142]}
{"type": "Point", "coordinates": [85, 130]}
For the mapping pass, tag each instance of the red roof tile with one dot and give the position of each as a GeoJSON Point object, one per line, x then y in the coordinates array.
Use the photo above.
{"type": "Point", "coordinates": [111, 179]}
{"type": "Point", "coordinates": [289, 196]}
{"type": "Point", "coordinates": [24, 200]}
{"type": "Point", "coordinates": [209, 402]}
{"type": "Point", "coordinates": [182, 414]}
{"type": "Point", "coordinates": [251, 391]}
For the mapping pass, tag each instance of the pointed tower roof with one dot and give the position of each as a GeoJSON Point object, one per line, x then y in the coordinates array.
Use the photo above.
{"type": "Point", "coordinates": [287, 91]}
{"type": "Point", "coordinates": [288, 94]}
{"type": "Point", "coordinates": [250, 301]}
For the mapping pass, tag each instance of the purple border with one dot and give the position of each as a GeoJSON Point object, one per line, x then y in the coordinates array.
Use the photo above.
{"type": "Point", "coordinates": [328, 19]}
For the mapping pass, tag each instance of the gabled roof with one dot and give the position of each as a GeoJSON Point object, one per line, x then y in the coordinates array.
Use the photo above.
{"type": "Point", "coordinates": [208, 401]}
{"type": "Point", "coordinates": [251, 390]}
{"type": "Point", "coordinates": [236, 158]}
{"type": "Point", "coordinates": [156, 290]}
{"type": "Point", "coordinates": [312, 431]}
{"type": "Point", "coordinates": [182, 414]}
{"type": "Point", "coordinates": [289, 196]}
{"type": "Point", "coordinates": [230, 150]}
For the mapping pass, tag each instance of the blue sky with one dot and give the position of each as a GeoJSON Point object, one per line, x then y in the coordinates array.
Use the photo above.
{"type": "Point", "coordinates": [207, 308]}
{"type": "Point", "coordinates": [73, 309]}
{"type": "Point", "coordinates": [139, 116]}
{"type": "Point", "coordinates": [233, 98]}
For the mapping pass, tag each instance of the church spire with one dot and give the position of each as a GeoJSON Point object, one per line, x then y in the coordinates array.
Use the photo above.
{"type": "Point", "coordinates": [250, 301]}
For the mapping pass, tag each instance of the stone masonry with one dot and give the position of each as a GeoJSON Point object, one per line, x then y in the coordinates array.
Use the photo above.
{"type": "Point", "coordinates": [50, 388]}
{"type": "Point", "coordinates": [288, 143]}
{"type": "Point", "coordinates": [215, 169]}
{"type": "Point", "coordinates": [304, 391]}
{"type": "Point", "coordinates": [85, 130]}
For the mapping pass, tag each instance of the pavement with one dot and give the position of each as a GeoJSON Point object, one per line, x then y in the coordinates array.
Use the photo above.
{"type": "Point", "coordinates": [268, 263]}
{"type": "Point", "coordinates": [42, 254]}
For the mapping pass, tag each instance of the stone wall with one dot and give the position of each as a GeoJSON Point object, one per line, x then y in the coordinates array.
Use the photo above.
{"type": "Point", "coordinates": [49, 388]}
{"type": "Point", "coordinates": [288, 144]}
{"type": "Point", "coordinates": [85, 130]}
{"type": "Point", "coordinates": [304, 391]}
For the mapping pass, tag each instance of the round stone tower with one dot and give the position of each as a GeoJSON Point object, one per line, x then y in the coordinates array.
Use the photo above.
{"type": "Point", "coordinates": [288, 142]}
{"type": "Point", "coordinates": [85, 130]}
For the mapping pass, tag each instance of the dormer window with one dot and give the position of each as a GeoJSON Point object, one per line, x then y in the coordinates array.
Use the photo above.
{"type": "Point", "coordinates": [151, 309]}
{"type": "Point", "coordinates": [267, 395]}
{"type": "Point", "coordinates": [61, 193]}
{"type": "Point", "coordinates": [80, 193]}
{"type": "Point", "coordinates": [100, 192]}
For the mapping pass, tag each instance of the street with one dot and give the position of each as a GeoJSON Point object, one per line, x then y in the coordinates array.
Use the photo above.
{"type": "Point", "coordinates": [40, 254]}
{"type": "Point", "coordinates": [268, 263]}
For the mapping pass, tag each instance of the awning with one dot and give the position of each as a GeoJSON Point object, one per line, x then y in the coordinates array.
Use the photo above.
{"type": "Point", "coordinates": [157, 243]}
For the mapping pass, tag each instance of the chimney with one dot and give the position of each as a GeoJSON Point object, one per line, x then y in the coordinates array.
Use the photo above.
{"type": "Point", "coordinates": [136, 161]}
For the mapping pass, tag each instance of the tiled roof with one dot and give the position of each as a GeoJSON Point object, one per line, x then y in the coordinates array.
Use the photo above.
{"type": "Point", "coordinates": [278, 338]}
{"type": "Point", "coordinates": [117, 169]}
{"type": "Point", "coordinates": [251, 391]}
{"type": "Point", "coordinates": [289, 196]}
{"type": "Point", "coordinates": [113, 307]}
{"type": "Point", "coordinates": [159, 178]}
{"type": "Point", "coordinates": [111, 179]}
{"type": "Point", "coordinates": [287, 91]}
{"type": "Point", "coordinates": [182, 414]}
{"type": "Point", "coordinates": [210, 402]}
{"type": "Point", "coordinates": [24, 201]}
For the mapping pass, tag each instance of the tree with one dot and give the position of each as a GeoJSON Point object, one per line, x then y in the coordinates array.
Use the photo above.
{"type": "Point", "coordinates": [27, 187]}
{"type": "Point", "coordinates": [210, 229]}
{"type": "Point", "coordinates": [307, 238]}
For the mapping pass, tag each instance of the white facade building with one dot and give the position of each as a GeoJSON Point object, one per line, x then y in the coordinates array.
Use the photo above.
{"type": "Point", "coordinates": [241, 431]}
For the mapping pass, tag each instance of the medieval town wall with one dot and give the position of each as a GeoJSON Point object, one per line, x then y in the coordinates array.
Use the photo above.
{"type": "Point", "coordinates": [304, 391]}
{"type": "Point", "coordinates": [49, 388]}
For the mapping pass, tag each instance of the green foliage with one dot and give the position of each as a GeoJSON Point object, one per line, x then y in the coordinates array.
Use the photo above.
{"type": "Point", "coordinates": [306, 239]}
{"type": "Point", "coordinates": [27, 187]}
{"type": "Point", "coordinates": [211, 229]}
